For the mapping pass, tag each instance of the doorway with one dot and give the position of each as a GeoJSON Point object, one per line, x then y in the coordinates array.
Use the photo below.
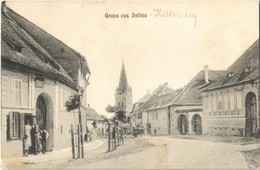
{"type": "Point", "coordinates": [182, 124]}
{"type": "Point", "coordinates": [197, 128]}
{"type": "Point", "coordinates": [44, 117]}
{"type": "Point", "coordinates": [251, 112]}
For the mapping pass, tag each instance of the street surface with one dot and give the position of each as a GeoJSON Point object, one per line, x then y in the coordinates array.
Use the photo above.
{"type": "Point", "coordinates": [176, 153]}
{"type": "Point", "coordinates": [150, 153]}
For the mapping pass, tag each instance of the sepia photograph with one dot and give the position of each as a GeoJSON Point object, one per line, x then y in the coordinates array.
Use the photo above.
{"type": "Point", "coordinates": [155, 84]}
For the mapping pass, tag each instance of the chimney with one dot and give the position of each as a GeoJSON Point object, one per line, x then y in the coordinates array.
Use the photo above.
{"type": "Point", "coordinates": [164, 87]}
{"type": "Point", "coordinates": [206, 73]}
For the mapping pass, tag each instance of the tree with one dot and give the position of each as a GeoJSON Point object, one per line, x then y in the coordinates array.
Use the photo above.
{"type": "Point", "coordinates": [73, 103]}
{"type": "Point", "coordinates": [119, 112]}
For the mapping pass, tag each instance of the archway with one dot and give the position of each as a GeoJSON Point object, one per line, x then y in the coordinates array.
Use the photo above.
{"type": "Point", "coordinates": [182, 124]}
{"type": "Point", "coordinates": [197, 124]}
{"type": "Point", "coordinates": [251, 111]}
{"type": "Point", "coordinates": [44, 117]}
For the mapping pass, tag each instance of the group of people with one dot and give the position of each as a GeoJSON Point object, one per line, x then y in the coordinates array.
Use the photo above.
{"type": "Point", "coordinates": [34, 139]}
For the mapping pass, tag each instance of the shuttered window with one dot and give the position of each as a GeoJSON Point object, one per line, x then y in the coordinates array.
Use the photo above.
{"type": "Point", "coordinates": [17, 92]}
{"type": "Point", "coordinates": [13, 125]}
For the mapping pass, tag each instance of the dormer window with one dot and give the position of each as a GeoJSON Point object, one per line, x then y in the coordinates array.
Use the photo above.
{"type": "Point", "coordinates": [231, 74]}
{"type": "Point", "coordinates": [14, 45]}
{"type": "Point", "coordinates": [248, 69]}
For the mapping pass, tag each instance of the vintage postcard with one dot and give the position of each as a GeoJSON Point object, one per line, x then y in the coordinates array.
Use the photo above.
{"type": "Point", "coordinates": [130, 84]}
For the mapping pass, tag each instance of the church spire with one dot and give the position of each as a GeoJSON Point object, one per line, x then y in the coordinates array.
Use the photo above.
{"type": "Point", "coordinates": [123, 85]}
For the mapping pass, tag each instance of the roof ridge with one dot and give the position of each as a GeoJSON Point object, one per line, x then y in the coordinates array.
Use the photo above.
{"type": "Point", "coordinates": [77, 53]}
{"type": "Point", "coordinates": [42, 50]}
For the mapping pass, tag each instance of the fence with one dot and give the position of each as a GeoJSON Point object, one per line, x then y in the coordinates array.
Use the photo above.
{"type": "Point", "coordinates": [77, 142]}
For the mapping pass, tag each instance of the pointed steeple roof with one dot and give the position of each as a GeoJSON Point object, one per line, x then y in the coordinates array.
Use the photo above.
{"type": "Point", "coordinates": [123, 85]}
{"type": "Point", "coordinates": [123, 78]}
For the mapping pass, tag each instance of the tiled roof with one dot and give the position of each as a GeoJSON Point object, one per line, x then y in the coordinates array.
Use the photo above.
{"type": "Point", "coordinates": [63, 54]}
{"type": "Point", "coordinates": [144, 99]}
{"type": "Point", "coordinates": [91, 114]}
{"type": "Point", "coordinates": [160, 97]}
{"type": "Point", "coordinates": [31, 56]}
{"type": "Point", "coordinates": [246, 67]}
{"type": "Point", "coordinates": [191, 93]}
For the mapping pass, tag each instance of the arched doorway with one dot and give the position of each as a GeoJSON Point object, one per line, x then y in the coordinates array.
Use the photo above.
{"type": "Point", "coordinates": [44, 117]}
{"type": "Point", "coordinates": [251, 111]}
{"type": "Point", "coordinates": [196, 121]}
{"type": "Point", "coordinates": [182, 124]}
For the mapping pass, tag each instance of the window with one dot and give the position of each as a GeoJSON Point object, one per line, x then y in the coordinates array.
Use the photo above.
{"type": "Point", "coordinates": [225, 103]}
{"type": "Point", "coordinates": [239, 100]}
{"type": "Point", "coordinates": [231, 74]}
{"type": "Point", "coordinates": [17, 92]}
{"type": "Point", "coordinates": [232, 101]}
{"type": "Point", "coordinates": [140, 115]}
{"type": "Point", "coordinates": [205, 104]}
{"type": "Point", "coordinates": [215, 103]}
{"type": "Point", "coordinates": [13, 125]}
{"type": "Point", "coordinates": [219, 103]}
{"type": "Point", "coordinates": [210, 105]}
{"type": "Point", "coordinates": [248, 69]}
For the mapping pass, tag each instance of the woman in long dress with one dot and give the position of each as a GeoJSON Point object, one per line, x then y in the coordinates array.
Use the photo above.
{"type": "Point", "coordinates": [27, 137]}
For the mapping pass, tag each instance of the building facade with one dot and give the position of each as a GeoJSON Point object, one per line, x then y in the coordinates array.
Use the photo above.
{"type": "Point", "coordinates": [231, 103]}
{"type": "Point", "coordinates": [186, 112]}
{"type": "Point", "coordinates": [36, 84]}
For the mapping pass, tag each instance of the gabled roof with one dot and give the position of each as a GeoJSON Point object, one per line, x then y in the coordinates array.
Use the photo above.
{"type": "Point", "coordinates": [191, 93]}
{"type": "Point", "coordinates": [68, 58]}
{"type": "Point", "coordinates": [31, 56]}
{"type": "Point", "coordinates": [245, 68]}
{"type": "Point", "coordinates": [160, 101]}
{"type": "Point", "coordinates": [91, 114]}
{"type": "Point", "coordinates": [160, 97]}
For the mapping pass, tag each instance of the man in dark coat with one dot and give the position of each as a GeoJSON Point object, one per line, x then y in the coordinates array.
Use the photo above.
{"type": "Point", "coordinates": [43, 136]}
{"type": "Point", "coordinates": [35, 139]}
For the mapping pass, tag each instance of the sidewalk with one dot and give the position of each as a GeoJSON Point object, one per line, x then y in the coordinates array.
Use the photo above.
{"type": "Point", "coordinates": [50, 155]}
{"type": "Point", "coordinates": [242, 143]}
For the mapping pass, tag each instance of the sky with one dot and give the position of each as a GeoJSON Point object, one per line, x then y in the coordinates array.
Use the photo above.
{"type": "Point", "coordinates": [172, 44]}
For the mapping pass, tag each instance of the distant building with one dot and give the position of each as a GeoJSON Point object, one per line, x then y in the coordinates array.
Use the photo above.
{"type": "Point", "coordinates": [167, 111]}
{"type": "Point", "coordinates": [231, 103]}
{"type": "Point", "coordinates": [154, 111]}
{"type": "Point", "coordinates": [123, 95]}
{"type": "Point", "coordinates": [91, 116]}
{"type": "Point", "coordinates": [39, 74]}
{"type": "Point", "coordinates": [137, 112]}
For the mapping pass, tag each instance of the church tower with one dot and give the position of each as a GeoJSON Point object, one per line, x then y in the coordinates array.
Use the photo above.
{"type": "Point", "coordinates": [123, 95]}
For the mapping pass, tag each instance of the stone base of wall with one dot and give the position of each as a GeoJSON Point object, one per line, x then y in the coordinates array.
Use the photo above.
{"type": "Point", "coordinates": [225, 131]}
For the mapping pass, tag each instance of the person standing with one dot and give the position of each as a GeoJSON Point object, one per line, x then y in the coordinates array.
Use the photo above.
{"type": "Point", "coordinates": [27, 138]}
{"type": "Point", "coordinates": [43, 136]}
{"type": "Point", "coordinates": [35, 139]}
